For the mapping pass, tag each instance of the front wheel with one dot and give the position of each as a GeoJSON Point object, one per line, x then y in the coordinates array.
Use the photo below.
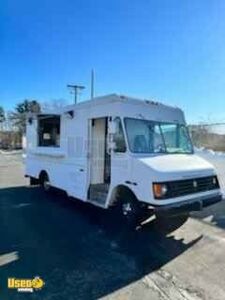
{"type": "Point", "coordinates": [128, 213]}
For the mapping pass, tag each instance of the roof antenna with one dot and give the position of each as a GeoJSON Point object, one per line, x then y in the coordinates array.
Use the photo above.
{"type": "Point", "coordinates": [92, 83]}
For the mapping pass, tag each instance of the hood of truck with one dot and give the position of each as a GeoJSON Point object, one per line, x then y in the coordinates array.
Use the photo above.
{"type": "Point", "coordinates": [178, 165]}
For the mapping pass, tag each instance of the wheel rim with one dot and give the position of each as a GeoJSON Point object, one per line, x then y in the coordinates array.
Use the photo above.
{"type": "Point", "coordinates": [127, 209]}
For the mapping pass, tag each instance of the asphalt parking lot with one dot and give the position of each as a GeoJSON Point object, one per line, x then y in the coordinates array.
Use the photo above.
{"type": "Point", "coordinates": [74, 248]}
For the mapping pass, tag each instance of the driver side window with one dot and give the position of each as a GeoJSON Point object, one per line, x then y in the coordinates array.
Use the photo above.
{"type": "Point", "coordinates": [119, 138]}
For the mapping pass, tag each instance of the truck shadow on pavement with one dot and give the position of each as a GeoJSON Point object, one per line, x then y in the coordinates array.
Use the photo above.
{"type": "Point", "coordinates": [73, 247]}
{"type": "Point", "coordinates": [213, 214]}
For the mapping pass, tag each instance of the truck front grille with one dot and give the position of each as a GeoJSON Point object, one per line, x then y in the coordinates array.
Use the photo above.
{"type": "Point", "coordinates": [190, 186]}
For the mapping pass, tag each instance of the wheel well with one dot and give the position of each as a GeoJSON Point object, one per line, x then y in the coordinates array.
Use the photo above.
{"type": "Point", "coordinates": [119, 192]}
{"type": "Point", "coordinates": [43, 174]}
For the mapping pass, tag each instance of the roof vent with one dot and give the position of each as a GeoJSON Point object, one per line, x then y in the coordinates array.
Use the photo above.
{"type": "Point", "coordinates": [151, 102]}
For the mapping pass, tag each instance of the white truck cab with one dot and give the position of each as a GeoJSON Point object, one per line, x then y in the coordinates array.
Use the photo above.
{"type": "Point", "coordinates": [119, 151]}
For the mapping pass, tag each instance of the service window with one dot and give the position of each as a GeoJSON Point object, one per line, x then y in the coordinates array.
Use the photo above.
{"type": "Point", "coordinates": [49, 131]}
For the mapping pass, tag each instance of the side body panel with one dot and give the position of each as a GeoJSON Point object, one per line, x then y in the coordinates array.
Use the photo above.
{"type": "Point", "coordinates": [67, 165]}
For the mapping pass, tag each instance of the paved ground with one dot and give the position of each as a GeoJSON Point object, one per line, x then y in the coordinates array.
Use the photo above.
{"type": "Point", "coordinates": [76, 250]}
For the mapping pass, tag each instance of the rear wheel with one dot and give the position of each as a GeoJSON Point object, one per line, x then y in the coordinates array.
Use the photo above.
{"type": "Point", "coordinates": [45, 183]}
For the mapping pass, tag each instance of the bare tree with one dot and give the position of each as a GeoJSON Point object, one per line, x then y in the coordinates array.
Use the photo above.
{"type": "Point", "coordinates": [2, 117]}
{"type": "Point", "coordinates": [54, 104]}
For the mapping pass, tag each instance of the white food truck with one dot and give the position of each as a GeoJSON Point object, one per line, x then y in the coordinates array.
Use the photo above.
{"type": "Point", "coordinates": [116, 151]}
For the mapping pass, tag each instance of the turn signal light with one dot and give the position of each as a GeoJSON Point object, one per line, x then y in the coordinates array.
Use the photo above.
{"type": "Point", "coordinates": [159, 190]}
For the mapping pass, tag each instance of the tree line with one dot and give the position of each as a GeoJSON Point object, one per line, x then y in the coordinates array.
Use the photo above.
{"type": "Point", "coordinates": [16, 120]}
{"type": "Point", "coordinates": [13, 123]}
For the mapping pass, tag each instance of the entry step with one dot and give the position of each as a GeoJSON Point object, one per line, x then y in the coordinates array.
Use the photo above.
{"type": "Point", "coordinates": [98, 193]}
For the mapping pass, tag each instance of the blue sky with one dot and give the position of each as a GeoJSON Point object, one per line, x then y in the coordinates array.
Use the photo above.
{"type": "Point", "coordinates": [167, 50]}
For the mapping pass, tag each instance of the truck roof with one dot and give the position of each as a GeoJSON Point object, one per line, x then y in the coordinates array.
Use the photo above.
{"type": "Point", "coordinates": [125, 106]}
{"type": "Point", "coordinates": [117, 98]}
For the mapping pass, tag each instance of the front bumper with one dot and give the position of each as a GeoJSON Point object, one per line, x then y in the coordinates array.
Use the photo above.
{"type": "Point", "coordinates": [184, 207]}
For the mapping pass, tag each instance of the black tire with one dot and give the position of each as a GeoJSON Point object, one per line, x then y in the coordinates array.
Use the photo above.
{"type": "Point", "coordinates": [167, 224]}
{"type": "Point", "coordinates": [128, 213]}
{"type": "Point", "coordinates": [45, 183]}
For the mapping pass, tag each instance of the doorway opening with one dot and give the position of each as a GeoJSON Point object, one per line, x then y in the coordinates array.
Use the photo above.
{"type": "Point", "coordinates": [100, 161]}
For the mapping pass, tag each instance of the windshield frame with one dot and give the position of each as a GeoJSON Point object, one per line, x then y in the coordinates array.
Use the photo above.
{"type": "Point", "coordinates": [162, 137]}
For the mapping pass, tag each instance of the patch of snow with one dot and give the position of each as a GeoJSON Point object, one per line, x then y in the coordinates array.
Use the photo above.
{"type": "Point", "coordinates": [217, 159]}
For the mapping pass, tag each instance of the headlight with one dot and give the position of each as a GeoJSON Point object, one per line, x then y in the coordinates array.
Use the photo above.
{"type": "Point", "coordinates": [159, 190]}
